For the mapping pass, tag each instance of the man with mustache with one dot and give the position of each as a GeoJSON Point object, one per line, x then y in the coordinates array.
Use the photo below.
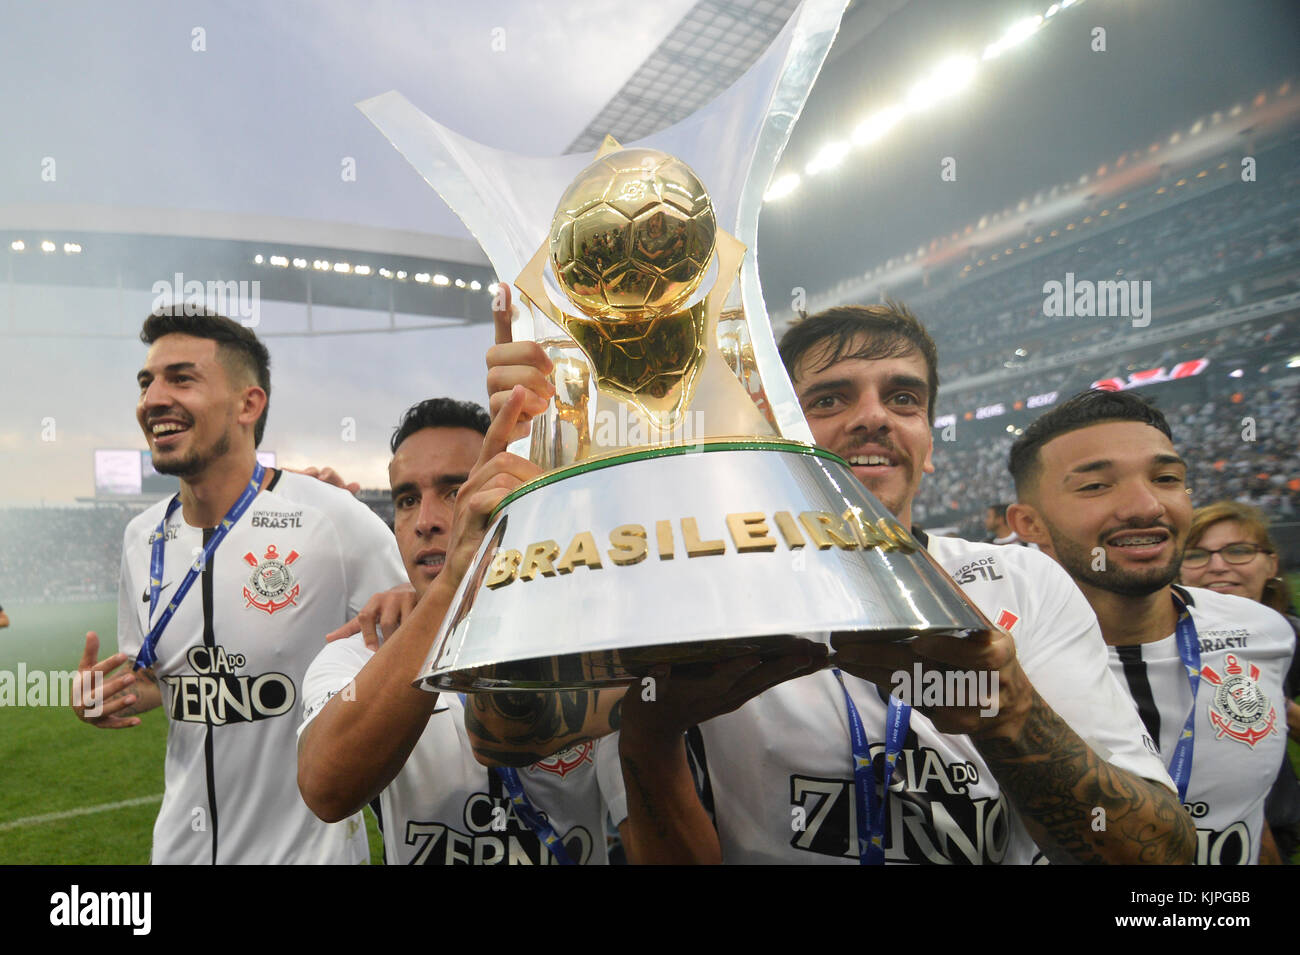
{"type": "Point", "coordinates": [771, 737]}
{"type": "Point", "coordinates": [227, 592]}
{"type": "Point", "coordinates": [1101, 489]}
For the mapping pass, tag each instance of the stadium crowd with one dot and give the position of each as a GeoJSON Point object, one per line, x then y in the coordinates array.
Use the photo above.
{"type": "Point", "coordinates": [1261, 344]}
{"type": "Point", "coordinates": [61, 554]}
{"type": "Point", "coordinates": [1205, 245]}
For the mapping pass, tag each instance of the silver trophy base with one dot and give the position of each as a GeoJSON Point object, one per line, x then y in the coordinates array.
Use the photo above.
{"type": "Point", "coordinates": [592, 575]}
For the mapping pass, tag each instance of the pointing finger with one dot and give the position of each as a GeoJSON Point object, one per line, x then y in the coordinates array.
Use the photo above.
{"type": "Point", "coordinates": [501, 313]}
{"type": "Point", "coordinates": [503, 425]}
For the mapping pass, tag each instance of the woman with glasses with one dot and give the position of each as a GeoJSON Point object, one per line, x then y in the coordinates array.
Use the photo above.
{"type": "Point", "coordinates": [1229, 550]}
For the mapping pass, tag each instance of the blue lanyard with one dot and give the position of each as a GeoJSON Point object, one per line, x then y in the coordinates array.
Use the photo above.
{"type": "Point", "coordinates": [872, 812]}
{"type": "Point", "coordinates": [527, 812]}
{"type": "Point", "coordinates": [1189, 650]}
{"type": "Point", "coordinates": [148, 653]}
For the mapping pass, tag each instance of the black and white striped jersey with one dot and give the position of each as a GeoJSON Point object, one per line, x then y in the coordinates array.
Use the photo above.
{"type": "Point", "coordinates": [301, 562]}
{"type": "Point", "coordinates": [1240, 734]}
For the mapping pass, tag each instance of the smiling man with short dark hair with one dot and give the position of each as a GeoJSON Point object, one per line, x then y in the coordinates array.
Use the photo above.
{"type": "Point", "coordinates": [242, 575]}
{"type": "Point", "coordinates": [1102, 489]}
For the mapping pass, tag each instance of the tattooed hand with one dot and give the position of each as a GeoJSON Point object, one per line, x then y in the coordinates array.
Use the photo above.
{"type": "Point", "coordinates": [518, 729]}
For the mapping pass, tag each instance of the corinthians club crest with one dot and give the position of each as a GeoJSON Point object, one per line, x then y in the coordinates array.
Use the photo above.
{"type": "Point", "coordinates": [566, 761]}
{"type": "Point", "coordinates": [271, 586]}
{"type": "Point", "coordinates": [1239, 708]}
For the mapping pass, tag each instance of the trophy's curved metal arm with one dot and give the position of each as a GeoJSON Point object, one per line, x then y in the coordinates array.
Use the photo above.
{"type": "Point", "coordinates": [754, 118]}
{"type": "Point", "coordinates": [507, 200]}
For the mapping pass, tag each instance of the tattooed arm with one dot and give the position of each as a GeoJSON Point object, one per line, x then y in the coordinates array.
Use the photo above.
{"type": "Point", "coordinates": [1052, 776]}
{"type": "Point", "coordinates": [518, 729]}
{"type": "Point", "coordinates": [1075, 805]}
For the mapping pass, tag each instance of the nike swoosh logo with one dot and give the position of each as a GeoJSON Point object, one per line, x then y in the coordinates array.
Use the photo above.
{"type": "Point", "coordinates": [145, 598]}
{"type": "Point", "coordinates": [437, 710]}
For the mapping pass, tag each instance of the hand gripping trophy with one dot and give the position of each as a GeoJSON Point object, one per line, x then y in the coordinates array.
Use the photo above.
{"type": "Point", "coordinates": [686, 515]}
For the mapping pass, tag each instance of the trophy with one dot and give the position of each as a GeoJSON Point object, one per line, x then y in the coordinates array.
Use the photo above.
{"type": "Point", "coordinates": [684, 514]}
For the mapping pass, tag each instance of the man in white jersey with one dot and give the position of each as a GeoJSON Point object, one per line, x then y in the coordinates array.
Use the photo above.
{"type": "Point", "coordinates": [366, 731]}
{"type": "Point", "coordinates": [1102, 490]}
{"type": "Point", "coordinates": [776, 764]}
{"type": "Point", "coordinates": [279, 560]}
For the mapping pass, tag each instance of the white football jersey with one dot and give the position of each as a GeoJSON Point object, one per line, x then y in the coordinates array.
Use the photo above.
{"type": "Point", "coordinates": [445, 808]}
{"type": "Point", "coordinates": [1240, 733]}
{"type": "Point", "coordinates": [778, 772]}
{"type": "Point", "coordinates": [302, 560]}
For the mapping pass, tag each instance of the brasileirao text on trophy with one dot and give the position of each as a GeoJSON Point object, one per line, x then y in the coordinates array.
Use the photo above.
{"type": "Point", "coordinates": [685, 515]}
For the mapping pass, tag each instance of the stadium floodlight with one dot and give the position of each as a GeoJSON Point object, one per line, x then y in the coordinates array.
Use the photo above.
{"type": "Point", "coordinates": [17, 245]}
{"type": "Point", "coordinates": [362, 270]}
{"type": "Point", "coordinates": [828, 158]}
{"type": "Point", "coordinates": [876, 125]}
{"type": "Point", "coordinates": [280, 261]}
{"type": "Point", "coordinates": [460, 283]}
{"type": "Point", "coordinates": [947, 79]}
{"type": "Point", "coordinates": [386, 273]}
{"type": "Point", "coordinates": [422, 277]}
{"type": "Point", "coordinates": [342, 267]}
{"type": "Point", "coordinates": [47, 246]}
{"type": "Point", "coordinates": [71, 248]}
{"type": "Point", "coordinates": [401, 276]}
{"type": "Point", "coordinates": [782, 187]}
{"type": "Point", "coordinates": [257, 259]}
{"type": "Point", "coordinates": [475, 285]}
{"type": "Point", "coordinates": [492, 289]}
{"type": "Point", "coordinates": [299, 263]}
{"type": "Point", "coordinates": [441, 279]}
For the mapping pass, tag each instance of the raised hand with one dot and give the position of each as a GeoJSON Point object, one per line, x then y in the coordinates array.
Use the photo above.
{"type": "Point", "coordinates": [381, 616]}
{"type": "Point", "coordinates": [512, 363]}
{"type": "Point", "coordinates": [495, 475]}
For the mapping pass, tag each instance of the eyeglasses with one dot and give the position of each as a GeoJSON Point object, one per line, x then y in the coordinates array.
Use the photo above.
{"type": "Point", "coordinates": [1195, 557]}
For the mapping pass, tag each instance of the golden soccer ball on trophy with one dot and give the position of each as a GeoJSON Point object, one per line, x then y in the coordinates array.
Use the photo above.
{"type": "Point", "coordinates": [633, 236]}
{"type": "Point", "coordinates": [631, 241]}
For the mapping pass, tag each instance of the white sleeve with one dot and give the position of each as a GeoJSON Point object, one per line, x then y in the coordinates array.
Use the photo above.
{"type": "Point", "coordinates": [609, 776]}
{"type": "Point", "coordinates": [130, 637]}
{"type": "Point", "coordinates": [332, 670]}
{"type": "Point", "coordinates": [371, 559]}
{"type": "Point", "coordinates": [1062, 652]}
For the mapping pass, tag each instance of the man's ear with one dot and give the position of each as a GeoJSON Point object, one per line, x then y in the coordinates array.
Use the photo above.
{"type": "Point", "coordinates": [927, 466]}
{"type": "Point", "coordinates": [1025, 520]}
{"type": "Point", "coordinates": [251, 405]}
